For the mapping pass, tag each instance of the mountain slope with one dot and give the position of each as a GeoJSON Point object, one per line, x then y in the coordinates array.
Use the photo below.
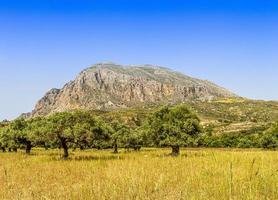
{"type": "Point", "coordinates": [109, 86]}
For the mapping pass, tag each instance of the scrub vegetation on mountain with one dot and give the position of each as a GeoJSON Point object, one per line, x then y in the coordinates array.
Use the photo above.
{"type": "Point", "coordinates": [167, 126]}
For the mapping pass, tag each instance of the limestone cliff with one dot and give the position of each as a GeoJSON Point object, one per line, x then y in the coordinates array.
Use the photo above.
{"type": "Point", "coordinates": [110, 86]}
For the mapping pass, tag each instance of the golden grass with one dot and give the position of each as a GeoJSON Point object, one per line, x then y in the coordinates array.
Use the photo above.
{"type": "Point", "coordinates": [149, 174]}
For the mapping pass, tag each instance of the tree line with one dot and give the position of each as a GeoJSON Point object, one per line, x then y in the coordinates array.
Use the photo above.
{"type": "Point", "coordinates": [170, 126]}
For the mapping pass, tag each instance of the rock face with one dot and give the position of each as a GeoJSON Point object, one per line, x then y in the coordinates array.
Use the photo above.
{"type": "Point", "coordinates": [110, 86]}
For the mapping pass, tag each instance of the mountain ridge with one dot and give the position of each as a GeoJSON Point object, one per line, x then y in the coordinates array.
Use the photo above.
{"type": "Point", "coordinates": [107, 86]}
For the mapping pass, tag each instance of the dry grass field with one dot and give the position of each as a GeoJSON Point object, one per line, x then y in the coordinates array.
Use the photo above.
{"type": "Point", "coordinates": [148, 174]}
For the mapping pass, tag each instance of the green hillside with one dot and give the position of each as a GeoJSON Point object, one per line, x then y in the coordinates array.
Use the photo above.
{"type": "Point", "coordinates": [231, 115]}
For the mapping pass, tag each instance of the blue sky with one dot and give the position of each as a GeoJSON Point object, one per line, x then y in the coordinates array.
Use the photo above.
{"type": "Point", "coordinates": [44, 44]}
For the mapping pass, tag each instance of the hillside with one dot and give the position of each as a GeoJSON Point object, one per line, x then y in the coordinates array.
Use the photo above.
{"type": "Point", "coordinates": [108, 86]}
{"type": "Point", "coordinates": [131, 93]}
{"type": "Point", "coordinates": [220, 116]}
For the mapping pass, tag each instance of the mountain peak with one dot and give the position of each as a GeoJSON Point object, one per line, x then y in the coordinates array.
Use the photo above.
{"type": "Point", "coordinates": [111, 65]}
{"type": "Point", "coordinates": [108, 85]}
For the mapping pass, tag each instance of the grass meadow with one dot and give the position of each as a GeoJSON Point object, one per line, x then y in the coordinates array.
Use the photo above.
{"type": "Point", "coordinates": [148, 175]}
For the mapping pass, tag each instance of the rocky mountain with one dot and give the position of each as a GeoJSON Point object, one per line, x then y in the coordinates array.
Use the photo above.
{"type": "Point", "coordinates": [109, 86]}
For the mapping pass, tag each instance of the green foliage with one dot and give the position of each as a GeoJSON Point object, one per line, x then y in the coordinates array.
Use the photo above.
{"type": "Point", "coordinates": [233, 140]}
{"type": "Point", "coordinates": [5, 139]}
{"type": "Point", "coordinates": [15, 135]}
{"type": "Point", "coordinates": [269, 139]}
{"type": "Point", "coordinates": [173, 126]}
{"type": "Point", "coordinates": [37, 130]}
{"type": "Point", "coordinates": [79, 128]}
{"type": "Point", "coordinates": [120, 132]}
{"type": "Point", "coordinates": [235, 123]}
{"type": "Point", "coordinates": [134, 139]}
{"type": "Point", "coordinates": [88, 129]}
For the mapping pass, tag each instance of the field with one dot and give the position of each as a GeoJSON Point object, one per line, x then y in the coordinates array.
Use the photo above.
{"type": "Point", "coordinates": [148, 174]}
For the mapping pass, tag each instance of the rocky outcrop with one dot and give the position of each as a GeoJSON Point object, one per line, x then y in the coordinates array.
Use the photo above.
{"type": "Point", "coordinates": [111, 86]}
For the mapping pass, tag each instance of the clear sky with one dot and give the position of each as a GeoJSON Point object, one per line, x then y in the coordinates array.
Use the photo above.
{"type": "Point", "coordinates": [45, 43]}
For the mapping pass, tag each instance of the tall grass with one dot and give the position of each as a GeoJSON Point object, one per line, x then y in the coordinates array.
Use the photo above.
{"type": "Point", "coordinates": [149, 174]}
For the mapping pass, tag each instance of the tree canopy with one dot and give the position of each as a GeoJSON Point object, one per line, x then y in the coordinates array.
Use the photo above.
{"type": "Point", "coordinates": [173, 127]}
{"type": "Point", "coordinates": [169, 126]}
{"type": "Point", "coordinates": [270, 137]}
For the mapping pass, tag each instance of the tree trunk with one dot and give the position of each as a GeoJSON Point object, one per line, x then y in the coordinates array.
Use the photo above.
{"type": "Point", "coordinates": [175, 151]}
{"type": "Point", "coordinates": [137, 148]}
{"type": "Point", "coordinates": [65, 148]}
{"type": "Point", "coordinates": [15, 149]}
{"type": "Point", "coordinates": [10, 150]}
{"type": "Point", "coordinates": [74, 148]}
{"type": "Point", "coordinates": [3, 149]}
{"type": "Point", "coordinates": [45, 147]}
{"type": "Point", "coordinates": [116, 146]}
{"type": "Point", "coordinates": [28, 147]}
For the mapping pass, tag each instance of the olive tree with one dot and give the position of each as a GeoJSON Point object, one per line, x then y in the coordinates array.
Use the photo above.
{"type": "Point", "coordinates": [270, 137]}
{"type": "Point", "coordinates": [77, 128]}
{"type": "Point", "coordinates": [173, 127]}
{"type": "Point", "coordinates": [17, 135]}
{"type": "Point", "coordinates": [37, 130]}
{"type": "Point", "coordinates": [134, 139]}
{"type": "Point", "coordinates": [90, 131]}
{"type": "Point", "coordinates": [59, 130]}
{"type": "Point", "coordinates": [4, 138]}
{"type": "Point", "coordinates": [119, 132]}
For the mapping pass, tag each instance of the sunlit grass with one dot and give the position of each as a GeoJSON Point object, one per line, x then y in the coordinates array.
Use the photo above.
{"type": "Point", "coordinates": [148, 174]}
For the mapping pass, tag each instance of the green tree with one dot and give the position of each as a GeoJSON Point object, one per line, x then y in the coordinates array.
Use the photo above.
{"type": "Point", "coordinates": [90, 131]}
{"type": "Point", "coordinates": [59, 130]}
{"type": "Point", "coordinates": [4, 139]}
{"type": "Point", "coordinates": [16, 135]}
{"type": "Point", "coordinates": [119, 132]}
{"type": "Point", "coordinates": [37, 129]}
{"type": "Point", "coordinates": [134, 139]}
{"type": "Point", "coordinates": [101, 134]}
{"type": "Point", "coordinates": [173, 127]}
{"type": "Point", "coordinates": [78, 128]}
{"type": "Point", "coordinates": [269, 139]}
